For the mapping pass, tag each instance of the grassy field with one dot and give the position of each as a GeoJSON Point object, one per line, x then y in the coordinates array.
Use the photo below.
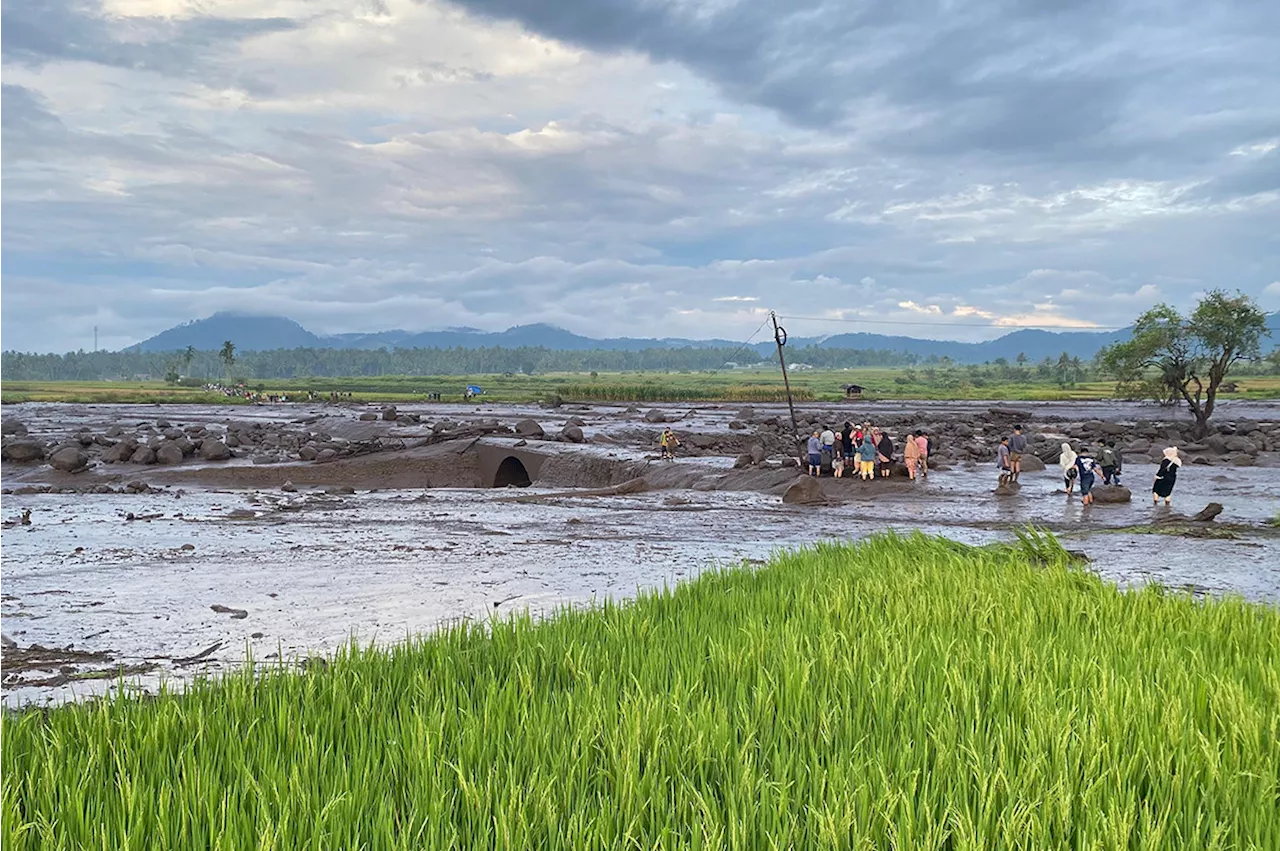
{"type": "Point", "coordinates": [728, 386]}
{"type": "Point", "coordinates": [908, 693]}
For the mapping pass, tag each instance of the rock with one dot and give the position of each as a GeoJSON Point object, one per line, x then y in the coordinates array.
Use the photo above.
{"type": "Point", "coordinates": [162, 424]}
{"type": "Point", "coordinates": [573, 434]}
{"type": "Point", "coordinates": [758, 453]}
{"type": "Point", "coordinates": [389, 413]}
{"type": "Point", "coordinates": [1208, 513]}
{"type": "Point", "coordinates": [576, 421]}
{"type": "Point", "coordinates": [1032, 464]}
{"type": "Point", "coordinates": [368, 416]}
{"type": "Point", "coordinates": [737, 425]}
{"type": "Point", "coordinates": [233, 440]}
{"type": "Point", "coordinates": [16, 428]}
{"type": "Point", "coordinates": [169, 453]}
{"type": "Point", "coordinates": [327, 455]}
{"type": "Point", "coordinates": [1243, 461]}
{"type": "Point", "coordinates": [69, 460]}
{"type": "Point", "coordinates": [806, 490]}
{"type": "Point", "coordinates": [24, 450]}
{"type": "Point", "coordinates": [289, 487]}
{"type": "Point", "coordinates": [236, 614]}
{"type": "Point", "coordinates": [308, 452]}
{"type": "Point", "coordinates": [405, 420]}
{"type": "Point", "coordinates": [529, 428]}
{"type": "Point", "coordinates": [143, 455]}
{"type": "Point", "coordinates": [137, 486]}
{"type": "Point", "coordinates": [746, 414]}
{"type": "Point", "coordinates": [1138, 446]}
{"type": "Point", "coordinates": [264, 459]}
{"type": "Point", "coordinates": [341, 490]}
{"type": "Point", "coordinates": [1241, 444]}
{"type": "Point", "coordinates": [214, 450]}
{"type": "Point", "coordinates": [1216, 443]}
{"type": "Point", "coordinates": [121, 452]}
{"type": "Point", "coordinates": [742, 461]}
{"type": "Point", "coordinates": [653, 415]}
{"type": "Point", "coordinates": [186, 446]}
{"type": "Point", "coordinates": [174, 433]}
{"type": "Point", "coordinates": [1007, 487]}
{"type": "Point", "coordinates": [1111, 494]}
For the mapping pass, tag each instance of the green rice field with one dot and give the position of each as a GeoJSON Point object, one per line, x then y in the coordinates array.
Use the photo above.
{"type": "Point", "coordinates": [900, 693]}
{"type": "Point", "coordinates": [762, 385]}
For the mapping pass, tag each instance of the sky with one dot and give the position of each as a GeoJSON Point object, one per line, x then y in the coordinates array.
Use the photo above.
{"type": "Point", "coordinates": [646, 168]}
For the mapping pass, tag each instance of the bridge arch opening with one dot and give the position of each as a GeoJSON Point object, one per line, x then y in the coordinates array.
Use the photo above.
{"type": "Point", "coordinates": [511, 472]}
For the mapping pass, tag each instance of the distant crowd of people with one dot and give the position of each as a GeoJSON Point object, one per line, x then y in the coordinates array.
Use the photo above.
{"type": "Point", "coordinates": [867, 451]}
{"type": "Point", "coordinates": [242, 392]}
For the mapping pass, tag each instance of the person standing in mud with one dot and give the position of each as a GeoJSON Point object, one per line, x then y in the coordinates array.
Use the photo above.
{"type": "Point", "coordinates": [1087, 468]}
{"type": "Point", "coordinates": [1107, 460]}
{"type": "Point", "coordinates": [1067, 461]}
{"type": "Point", "coordinates": [867, 458]}
{"type": "Point", "coordinates": [815, 454]}
{"type": "Point", "coordinates": [922, 447]}
{"type": "Point", "coordinates": [911, 455]}
{"type": "Point", "coordinates": [1004, 460]}
{"type": "Point", "coordinates": [1017, 447]}
{"type": "Point", "coordinates": [884, 452]}
{"type": "Point", "coordinates": [1166, 477]}
{"type": "Point", "coordinates": [668, 442]}
{"type": "Point", "coordinates": [828, 447]}
{"type": "Point", "coordinates": [846, 441]}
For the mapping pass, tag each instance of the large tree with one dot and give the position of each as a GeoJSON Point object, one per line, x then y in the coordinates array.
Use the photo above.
{"type": "Point", "coordinates": [1173, 358]}
{"type": "Point", "coordinates": [228, 355]}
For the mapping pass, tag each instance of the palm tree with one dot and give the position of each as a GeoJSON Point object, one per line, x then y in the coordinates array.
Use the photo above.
{"type": "Point", "coordinates": [228, 355]}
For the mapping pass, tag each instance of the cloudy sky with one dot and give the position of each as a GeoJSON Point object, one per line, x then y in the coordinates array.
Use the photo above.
{"type": "Point", "coordinates": [633, 167]}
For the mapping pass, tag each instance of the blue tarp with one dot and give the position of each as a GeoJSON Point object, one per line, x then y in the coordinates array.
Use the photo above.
{"type": "Point", "coordinates": [474, 389]}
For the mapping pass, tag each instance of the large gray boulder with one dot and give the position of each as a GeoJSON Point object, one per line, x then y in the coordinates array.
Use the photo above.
{"type": "Point", "coordinates": [389, 413]}
{"type": "Point", "coordinates": [1111, 494]}
{"type": "Point", "coordinates": [529, 428]}
{"type": "Point", "coordinates": [805, 490]}
{"type": "Point", "coordinates": [573, 434]}
{"type": "Point", "coordinates": [121, 452]}
{"type": "Point", "coordinates": [655, 416]}
{"type": "Point", "coordinates": [214, 450]}
{"type": "Point", "coordinates": [69, 459]}
{"type": "Point", "coordinates": [1032, 464]}
{"type": "Point", "coordinates": [24, 450]}
{"type": "Point", "coordinates": [143, 455]}
{"type": "Point", "coordinates": [169, 453]}
{"type": "Point", "coordinates": [16, 428]}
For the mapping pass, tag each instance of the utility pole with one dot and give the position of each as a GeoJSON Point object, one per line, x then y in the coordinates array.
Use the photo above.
{"type": "Point", "coordinates": [780, 337]}
{"type": "Point", "coordinates": [95, 338]}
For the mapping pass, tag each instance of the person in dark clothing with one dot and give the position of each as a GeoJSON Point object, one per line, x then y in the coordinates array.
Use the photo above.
{"type": "Point", "coordinates": [1166, 477]}
{"type": "Point", "coordinates": [1107, 459]}
{"type": "Point", "coordinates": [846, 441]}
{"type": "Point", "coordinates": [1017, 446]}
{"type": "Point", "coordinates": [1087, 467]}
{"type": "Point", "coordinates": [885, 451]}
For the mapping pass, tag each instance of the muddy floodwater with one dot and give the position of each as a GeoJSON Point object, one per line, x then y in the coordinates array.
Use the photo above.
{"type": "Point", "coordinates": [194, 576]}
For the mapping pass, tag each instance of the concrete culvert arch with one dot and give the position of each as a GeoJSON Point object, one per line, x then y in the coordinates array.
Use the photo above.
{"type": "Point", "coordinates": [511, 472]}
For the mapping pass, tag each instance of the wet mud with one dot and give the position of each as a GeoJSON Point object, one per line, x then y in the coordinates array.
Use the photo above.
{"type": "Point", "coordinates": [211, 565]}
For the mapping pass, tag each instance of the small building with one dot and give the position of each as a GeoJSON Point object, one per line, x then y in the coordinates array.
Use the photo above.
{"type": "Point", "coordinates": [853, 391]}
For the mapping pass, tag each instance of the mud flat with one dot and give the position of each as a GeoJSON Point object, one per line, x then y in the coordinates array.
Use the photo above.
{"type": "Point", "coordinates": [146, 567]}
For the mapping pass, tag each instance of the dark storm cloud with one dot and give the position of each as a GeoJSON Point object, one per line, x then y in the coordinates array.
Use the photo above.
{"type": "Point", "coordinates": [39, 31]}
{"type": "Point", "coordinates": [1064, 80]}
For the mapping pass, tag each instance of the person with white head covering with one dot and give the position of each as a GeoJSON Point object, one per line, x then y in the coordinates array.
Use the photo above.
{"type": "Point", "coordinates": [1067, 461]}
{"type": "Point", "coordinates": [1166, 477]}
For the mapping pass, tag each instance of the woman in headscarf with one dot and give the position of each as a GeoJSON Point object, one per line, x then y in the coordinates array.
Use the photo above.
{"type": "Point", "coordinates": [1067, 461]}
{"type": "Point", "coordinates": [1166, 477]}
{"type": "Point", "coordinates": [884, 448]}
{"type": "Point", "coordinates": [911, 455]}
{"type": "Point", "coordinates": [867, 458]}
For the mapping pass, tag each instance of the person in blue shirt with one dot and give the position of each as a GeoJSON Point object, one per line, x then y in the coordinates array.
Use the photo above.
{"type": "Point", "coordinates": [815, 454]}
{"type": "Point", "coordinates": [867, 458]}
{"type": "Point", "coordinates": [1088, 469]}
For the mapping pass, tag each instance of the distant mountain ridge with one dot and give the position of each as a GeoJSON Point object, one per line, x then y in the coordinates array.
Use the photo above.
{"type": "Point", "coordinates": [258, 333]}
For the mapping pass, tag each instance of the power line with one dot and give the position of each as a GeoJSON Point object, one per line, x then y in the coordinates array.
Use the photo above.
{"type": "Point", "coordinates": [1038, 325]}
{"type": "Point", "coordinates": [740, 348]}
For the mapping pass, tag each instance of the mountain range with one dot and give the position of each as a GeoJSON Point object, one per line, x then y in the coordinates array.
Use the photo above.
{"type": "Point", "coordinates": [258, 333]}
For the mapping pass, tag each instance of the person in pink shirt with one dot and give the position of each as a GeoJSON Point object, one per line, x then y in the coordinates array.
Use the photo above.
{"type": "Point", "coordinates": [922, 444]}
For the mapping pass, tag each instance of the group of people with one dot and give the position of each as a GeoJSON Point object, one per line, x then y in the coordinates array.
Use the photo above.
{"type": "Point", "coordinates": [867, 451]}
{"type": "Point", "coordinates": [242, 392]}
{"type": "Point", "coordinates": [1084, 468]}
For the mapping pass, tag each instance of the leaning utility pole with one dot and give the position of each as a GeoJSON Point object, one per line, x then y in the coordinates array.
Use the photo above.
{"type": "Point", "coordinates": [780, 337]}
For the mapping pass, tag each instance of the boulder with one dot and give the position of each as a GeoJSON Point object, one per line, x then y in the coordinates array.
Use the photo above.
{"type": "Point", "coordinates": [1032, 464]}
{"type": "Point", "coordinates": [573, 434]}
{"type": "Point", "coordinates": [24, 450]}
{"type": "Point", "coordinates": [69, 459]}
{"type": "Point", "coordinates": [308, 452]}
{"type": "Point", "coordinates": [529, 428]}
{"type": "Point", "coordinates": [233, 440]}
{"type": "Point", "coordinates": [655, 416]}
{"type": "Point", "coordinates": [368, 416]}
{"type": "Point", "coordinates": [121, 452]}
{"type": "Point", "coordinates": [746, 414]}
{"type": "Point", "coordinates": [1216, 443]}
{"type": "Point", "coordinates": [742, 461]}
{"type": "Point", "coordinates": [737, 425]}
{"type": "Point", "coordinates": [327, 455]}
{"type": "Point", "coordinates": [1111, 494]}
{"type": "Point", "coordinates": [143, 455]}
{"type": "Point", "coordinates": [214, 450]}
{"type": "Point", "coordinates": [758, 453]}
{"type": "Point", "coordinates": [1243, 460]}
{"type": "Point", "coordinates": [16, 428]}
{"type": "Point", "coordinates": [805, 490]}
{"type": "Point", "coordinates": [405, 420]}
{"type": "Point", "coordinates": [289, 487]}
{"type": "Point", "coordinates": [162, 424]}
{"type": "Point", "coordinates": [389, 413]}
{"type": "Point", "coordinates": [1112, 429]}
{"type": "Point", "coordinates": [576, 421]}
{"type": "Point", "coordinates": [1007, 487]}
{"type": "Point", "coordinates": [1208, 513]}
{"type": "Point", "coordinates": [1241, 444]}
{"type": "Point", "coordinates": [169, 453]}
{"type": "Point", "coordinates": [186, 446]}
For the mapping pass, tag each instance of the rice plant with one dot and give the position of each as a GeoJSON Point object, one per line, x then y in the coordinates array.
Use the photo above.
{"type": "Point", "coordinates": [901, 693]}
